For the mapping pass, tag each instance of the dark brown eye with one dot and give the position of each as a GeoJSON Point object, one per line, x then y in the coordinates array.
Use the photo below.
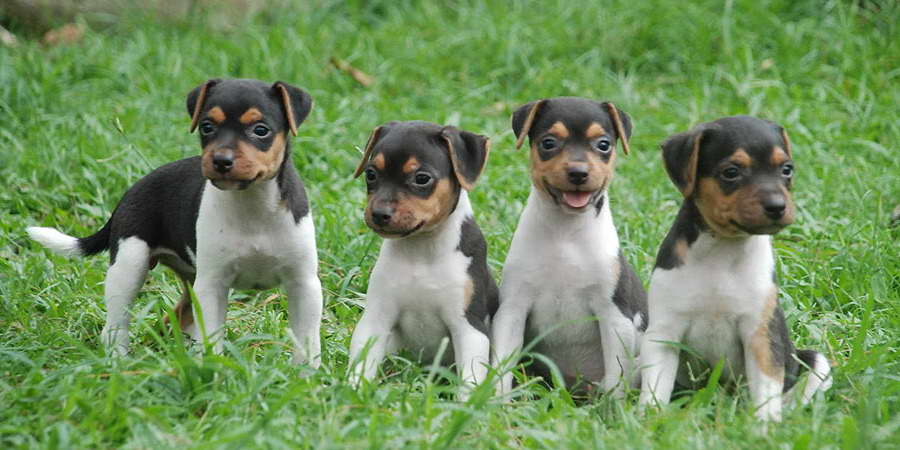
{"type": "Point", "coordinates": [261, 131]}
{"type": "Point", "coordinates": [731, 174]}
{"type": "Point", "coordinates": [207, 128]}
{"type": "Point", "coordinates": [548, 143]}
{"type": "Point", "coordinates": [787, 170]}
{"type": "Point", "coordinates": [422, 179]}
{"type": "Point", "coordinates": [602, 145]}
{"type": "Point", "coordinates": [371, 175]}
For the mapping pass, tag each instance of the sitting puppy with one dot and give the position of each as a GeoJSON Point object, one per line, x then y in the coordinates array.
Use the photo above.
{"type": "Point", "coordinates": [566, 282]}
{"type": "Point", "coordinates": [236, 216]}
{"type": "Point", "coordinates": [431, 280]}
{"type": "Point", "coordinates": [713, 287]}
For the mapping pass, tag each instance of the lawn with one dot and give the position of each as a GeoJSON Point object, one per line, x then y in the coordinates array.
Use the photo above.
{"type": "Point", "coordinates": [79, 123]}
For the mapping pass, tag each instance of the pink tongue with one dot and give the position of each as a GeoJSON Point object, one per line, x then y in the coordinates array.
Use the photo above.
{"type": "Point", "coordinates": [576, 199]}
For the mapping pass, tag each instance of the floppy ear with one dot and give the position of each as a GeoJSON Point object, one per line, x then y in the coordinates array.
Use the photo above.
{"type": "Point", "coordinates": [297, 104]}
{"type": "Point", "coordinates": [787, 142]}
{"type": "Point", "coordinates": [373, 138]}
{"type": "Point", "coordinates": [680, 152]}
{"type": "Point", "coordinates": [468, 154]}
{"type": "Point", "coordinates": [523, 118]}
{"type": "Point", "coordinates": [622, 123]}
{"type": "Point", "coordinates": [195, 100]}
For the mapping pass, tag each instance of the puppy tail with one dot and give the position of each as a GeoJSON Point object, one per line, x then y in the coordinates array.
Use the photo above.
{"type": "Point", "coordinates": [819, 377]}
{"type": "Point", "coordinates": [70, 246]}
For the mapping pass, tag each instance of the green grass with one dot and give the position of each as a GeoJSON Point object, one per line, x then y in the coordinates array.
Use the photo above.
{"type": "Point", "coordinates": [79, 124]}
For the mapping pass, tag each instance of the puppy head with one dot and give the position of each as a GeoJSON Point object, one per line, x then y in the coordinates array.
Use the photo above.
{"type": "Point", "coordinates": [573, 147]}
{"type": "Point", "coordinates": [738, 171]}
{"type": "Point", "coordinates": [414, 171]}
{"type": "Point", "coordinates": [243, 128]}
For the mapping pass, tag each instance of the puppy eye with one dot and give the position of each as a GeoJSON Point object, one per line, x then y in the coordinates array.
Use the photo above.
{"type": "Point", "coordinates": [261, 131]}
{"type": "Point", "coordinates": [422, 179]}
{"type": "Point", "coordinates": [371, 175]}
{"type": "Point", "coordinates": [730, 174]}
{"type": "Point", "coordinates": [207, 128]}
{"type": "Point", "coordinates": [787, 170]}
{"type": "Point", "coordinates": [602, 145]}
{"type": "Point", "coordinates": [548, 143]}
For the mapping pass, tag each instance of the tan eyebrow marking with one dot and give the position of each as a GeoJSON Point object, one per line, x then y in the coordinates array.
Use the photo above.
{"type": "Point", "coordinates": [595, 130]}
{"type": "Point", "coordinates": [251, 115]}
{"type": "Point", "coordinates": [216, 114]}
{"type": "Point", "coordinates": [559, 130]}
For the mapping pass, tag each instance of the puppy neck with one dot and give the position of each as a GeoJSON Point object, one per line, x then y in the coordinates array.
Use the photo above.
{"type": "Point", "coordinates": [704, 243]}
{"type": "Point", "coordinates": [552, 215]}
{"type": "Point", "coordinates": [440, 240]}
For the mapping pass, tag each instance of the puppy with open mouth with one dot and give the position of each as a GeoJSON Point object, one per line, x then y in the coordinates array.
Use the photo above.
{"type": "Point", "coordinates": [567, 287]}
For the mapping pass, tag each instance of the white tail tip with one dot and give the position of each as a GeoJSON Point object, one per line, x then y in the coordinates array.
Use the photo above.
{"type": "Point", "coordinates": [54, 240]}
{"type": "Point", "coordinates": [818, 379]}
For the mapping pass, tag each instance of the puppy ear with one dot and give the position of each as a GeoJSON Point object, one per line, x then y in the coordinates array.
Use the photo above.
{"type": "Point", "coordinates": [297, 104]}
{"type": "Point", "coordinates": [622, 122]}
{"type": "Point", "coordinates": [680, 153]}
{"type": "Point", "coordinates": [468, 154]}
{"type": "Point", "coordinates": [523, 118]}
{"type": "Point", "coordinates": [373, 138]}
{"type": "Point", "coordinates": [196, 99]}
{"type": "Point", "coordinates": [787, 142]}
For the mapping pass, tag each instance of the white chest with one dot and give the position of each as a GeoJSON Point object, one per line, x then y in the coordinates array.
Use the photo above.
{"type": "Point", "coordinates": [254, 243]}
{"type": "Point", "coordinates": [729, 279]}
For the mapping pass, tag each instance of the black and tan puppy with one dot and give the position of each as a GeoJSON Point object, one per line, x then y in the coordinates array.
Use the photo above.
{"type": "Point", "coordinates": [566, 280]}
{"type": "Point", "coordinates": [236, 216]}
{"type": "Point", "coordinates": [431, 280]}
{"type": "Point", "coordinates": [713, 287]}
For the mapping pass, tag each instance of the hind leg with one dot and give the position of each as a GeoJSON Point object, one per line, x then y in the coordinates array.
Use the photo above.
{"type": "Point", "coordinates": [184, 310]}
{"type": "Point", "coordinates": [124, 279]}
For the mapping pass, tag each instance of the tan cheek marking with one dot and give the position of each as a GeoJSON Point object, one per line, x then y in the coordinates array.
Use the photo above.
{"type": "Point", "coordinates": [431, 210]}
{"type": "Point", "coordinates": [594, 131]}
{"type": "Point", "coordinates": [741, 158]}
{"type": "Point", "coordinates": [378, 161]}
{"type": "Point", "coordinates": [216, 114]}
{"type": "Point", "coordinates": [251, 115]}
{"type": "Point", "coordinates": [411, 165]}
{"type": "Point", "coordinates": [560, 130]}
{"type": "Point", "coordinates": [779, 156]}
{"type": "Point", "coordinates": [717, 209]}
{"type": "Point", "coordinates": [251, 163]}
{"type": "Point", "coordinates": [552, 171]}
{"type": "Point", "coordinates": [760, 342]}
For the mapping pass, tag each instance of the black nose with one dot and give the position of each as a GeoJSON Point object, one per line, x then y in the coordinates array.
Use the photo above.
{"type": "Point", "coordinates": [381, 216]}
{"type": "Point", "coordinates": [775, 207]}
{"type": "Point", "coordinates": [577, 175]}
{"type": "Point", "coordinates": [223, 163]}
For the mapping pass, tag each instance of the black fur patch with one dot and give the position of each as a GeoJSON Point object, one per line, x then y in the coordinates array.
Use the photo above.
{"type": "Point", "coordinates": [485, 296]}
{"type": "Point", "coordinates": [630, 296]}
{"type": "Point", "coordinates": [687, 226]}
{"type": "Point", "coordinates": [291, 188]}
{"type": "Point", "coordinates": [161, 209]}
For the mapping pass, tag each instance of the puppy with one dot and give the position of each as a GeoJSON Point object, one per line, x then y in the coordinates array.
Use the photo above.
{"type": "Point", "coordinates": [431, 280]}
{"type": "Point", "coordinates": [566, 285]}
{"type": "Point", "coordinates": [713, 287]}
{"type": "Point", "coordinates": [236, 216]}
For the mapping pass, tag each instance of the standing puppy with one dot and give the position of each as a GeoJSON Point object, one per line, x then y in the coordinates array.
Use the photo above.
{"type": "Point", "coordinates": [431, 279]}
{"type": "Point", "coordinates": [565, 280]}
{"type": "Point", "coordinates": [713, 287]}
{"type": "Point", "coordinates": [236, 216]}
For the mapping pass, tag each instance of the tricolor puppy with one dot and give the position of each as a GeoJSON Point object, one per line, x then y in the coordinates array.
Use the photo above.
{"type": "Point", "coordinates": [236, 216]}
{"type": "Point", "coordinates": [565, 281]}
{"type": "Point", "coordinates": [431, 280]}
{"type": "Point", "coordinates": [713, 287]}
